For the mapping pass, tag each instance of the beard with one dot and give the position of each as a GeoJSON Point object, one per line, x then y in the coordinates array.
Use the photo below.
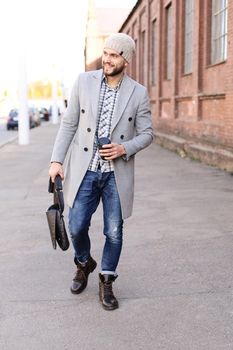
{"type": "Point", "coordinates": [112, 71]}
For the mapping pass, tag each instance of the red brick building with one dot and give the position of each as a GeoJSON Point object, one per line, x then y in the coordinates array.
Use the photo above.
{"type": "Point", "coordinates": [184, 56]}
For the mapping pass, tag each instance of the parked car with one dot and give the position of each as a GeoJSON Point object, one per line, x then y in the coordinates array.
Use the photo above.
{"type": "Point", "coordinates": [44, 113]}
{"type": "Point", "coordinates": [13, 119]}
{"type": "Point", "coordinates": [34, 115]}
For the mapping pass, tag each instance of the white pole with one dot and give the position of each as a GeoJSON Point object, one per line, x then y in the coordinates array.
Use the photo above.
{"type": "Point", "coordinates": [23, 130]}
{"type": "Point", "coordinates": [54, 95]}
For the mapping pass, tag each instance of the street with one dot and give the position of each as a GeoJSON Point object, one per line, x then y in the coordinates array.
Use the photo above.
{"type": "Point", "coordinates": [175, 279]}
{"type": "Point", "coordinates": [6, 135]}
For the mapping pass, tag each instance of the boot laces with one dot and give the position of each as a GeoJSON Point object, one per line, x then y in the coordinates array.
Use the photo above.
{"type": "Point", "coordinates": [108, 289]}
{"type": "Point", "coordinates": [80, 274]}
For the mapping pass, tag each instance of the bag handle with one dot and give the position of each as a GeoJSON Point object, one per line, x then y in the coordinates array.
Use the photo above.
{"type": "Point", "coordinates": [57, 190]}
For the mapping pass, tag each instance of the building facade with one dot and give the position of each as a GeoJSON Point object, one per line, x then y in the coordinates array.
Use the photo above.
{"type": "Point", "coordinates": [184, 55]}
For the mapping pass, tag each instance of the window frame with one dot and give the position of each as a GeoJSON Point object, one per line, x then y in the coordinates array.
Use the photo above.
{"type": "Point", "coordinates": [143, 57]}
{"type": "Point", "coordinates": [169, 41]}
{"type": "Point", "coordinates": [154, 53]}
{"type": "Point", "coordinates": [219, 32]}
{"type": "Point", "coordinates": [188, 15]}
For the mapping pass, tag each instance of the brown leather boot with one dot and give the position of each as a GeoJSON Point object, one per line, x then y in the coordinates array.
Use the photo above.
{"type": "Point", "coordinates": [80, 280]}
{"type": "Point", "coordinates": [107, 298]}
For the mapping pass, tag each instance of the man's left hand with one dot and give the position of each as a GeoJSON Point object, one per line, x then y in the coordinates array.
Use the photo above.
{"type": "Point", "coordinates": [112, 151]}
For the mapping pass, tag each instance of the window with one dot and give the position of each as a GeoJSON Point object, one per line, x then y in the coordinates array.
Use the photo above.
{"type": "Point", "coordinates": [188, 36]}
{"type": "Point", "coordinates": [154, 53]}
{"type": "Point", "coordinates": [143, 58]}
{"type": "Point", "coordinates": [219, 31]}
{"type": "Point", "coordinates": [134, 62]}
{"type": "Point", "coordinates": [169, 42]}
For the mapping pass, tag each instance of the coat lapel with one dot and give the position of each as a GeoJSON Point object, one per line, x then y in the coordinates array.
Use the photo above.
{"type": "Point", "coordinates": [126, 90]}
{"type": "Point", "coordinates": [95, 91]}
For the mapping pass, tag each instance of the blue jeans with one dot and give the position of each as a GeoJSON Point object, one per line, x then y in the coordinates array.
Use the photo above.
{"type": "Point", "coordinates": [96, 186]}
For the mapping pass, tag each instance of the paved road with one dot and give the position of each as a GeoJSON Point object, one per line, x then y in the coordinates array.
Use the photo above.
{"type": "Point", "coordinates": [6, 135]}
{"type": "Point", "coordinates": [175, 277]}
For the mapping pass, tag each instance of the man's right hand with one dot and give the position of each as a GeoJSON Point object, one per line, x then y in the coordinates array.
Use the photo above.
{"type": "Point", "coordinates": [54, 170]}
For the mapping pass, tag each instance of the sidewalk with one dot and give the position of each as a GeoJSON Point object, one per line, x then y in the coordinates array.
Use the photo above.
{"type": "Point", "coordinates": [175, 274]}
{"type": "Point", "coordinates": [217, 156]}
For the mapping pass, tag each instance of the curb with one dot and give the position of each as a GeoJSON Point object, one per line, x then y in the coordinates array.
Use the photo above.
{"type": "Point", "coordinates": [12, 139]}
{"type": "Point", "coordinates": [213, 156]}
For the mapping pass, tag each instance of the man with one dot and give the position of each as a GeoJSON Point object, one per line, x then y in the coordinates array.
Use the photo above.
{"type": "Point", "coordinates": [104, 104]}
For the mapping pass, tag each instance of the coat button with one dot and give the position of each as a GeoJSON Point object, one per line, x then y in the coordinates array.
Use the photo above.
{"type": "Point", "coordinates": [85, 149]}
{"type": "Point", "coordinates": [89, 129]}
{"type": "Point", "coordinates": [130, 119]}
{"type": "Point", "coordinates": [83, 110]}
{"type": "Point", "coordinates": [122, 136]}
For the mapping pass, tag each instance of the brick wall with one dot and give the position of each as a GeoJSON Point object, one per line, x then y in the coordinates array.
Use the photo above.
{"type": "Point", "coordinates": [198, 105]}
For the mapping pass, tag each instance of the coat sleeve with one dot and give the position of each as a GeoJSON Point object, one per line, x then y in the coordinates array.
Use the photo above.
{"type": "Point", "coordinates": [68, 127]}
{"type": "Point", "coordinates": [143, 128]}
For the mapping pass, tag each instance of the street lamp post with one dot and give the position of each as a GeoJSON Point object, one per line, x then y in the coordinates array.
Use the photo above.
{"type": "Point", "coordinates": [23, 129]}
{"type": "Point", "coordinates": [54, 96]}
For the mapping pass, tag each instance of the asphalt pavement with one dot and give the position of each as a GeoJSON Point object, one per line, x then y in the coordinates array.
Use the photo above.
{"type": "Point", "coordinates": [6, 135]}
{"type": "Point", "coordinates": [175, 275]}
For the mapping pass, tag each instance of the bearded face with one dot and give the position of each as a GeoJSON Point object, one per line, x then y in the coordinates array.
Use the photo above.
{"type": "Point", "coordinates": [112, 63]}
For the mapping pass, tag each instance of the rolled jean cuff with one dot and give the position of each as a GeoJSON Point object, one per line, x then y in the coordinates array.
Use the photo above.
{"type": "Point", "coordinates": [104, 272]}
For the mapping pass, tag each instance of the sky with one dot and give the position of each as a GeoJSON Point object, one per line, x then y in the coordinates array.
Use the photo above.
{"type": "Point", "coordinates": [116, 3]}
{"type": "Point", "coordinates": [49, 34]}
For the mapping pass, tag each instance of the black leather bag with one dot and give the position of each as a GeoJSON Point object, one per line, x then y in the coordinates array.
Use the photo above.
{"type": "Point", "coordinates": [55, 216]}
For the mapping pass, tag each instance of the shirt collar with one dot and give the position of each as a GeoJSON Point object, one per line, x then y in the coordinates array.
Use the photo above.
{"type": "Point", "coordinates": [117, 87]}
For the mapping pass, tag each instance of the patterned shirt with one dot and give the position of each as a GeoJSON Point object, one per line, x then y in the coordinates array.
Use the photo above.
{"type": "Point", "coordinates": [107, 103]}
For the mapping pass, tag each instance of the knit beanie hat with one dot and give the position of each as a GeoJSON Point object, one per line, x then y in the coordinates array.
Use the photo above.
{"type": "Point", "coordinates": [122, 43]}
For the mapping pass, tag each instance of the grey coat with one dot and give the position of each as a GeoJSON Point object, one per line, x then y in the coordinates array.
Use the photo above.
{"type": "Point", "coordinates": [131, 126]}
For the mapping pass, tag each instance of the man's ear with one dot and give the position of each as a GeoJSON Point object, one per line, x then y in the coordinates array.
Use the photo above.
{"type": "Point", "coordinates": [126, 64]}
